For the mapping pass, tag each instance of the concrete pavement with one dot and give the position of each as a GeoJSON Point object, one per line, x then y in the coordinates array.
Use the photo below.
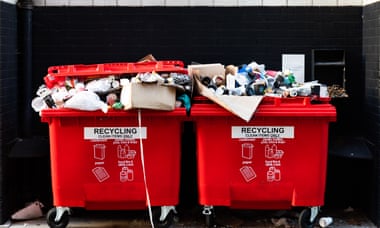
{"type": "Point", "coordinates": [193, 218]}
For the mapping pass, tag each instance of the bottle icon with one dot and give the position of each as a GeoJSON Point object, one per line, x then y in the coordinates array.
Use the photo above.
{"type": "Point", "coordinates": [121, 152]}
{"type": "Point", "coordinates": [269, 151]}
{"type": "Point", "coordinates": [272, 152]}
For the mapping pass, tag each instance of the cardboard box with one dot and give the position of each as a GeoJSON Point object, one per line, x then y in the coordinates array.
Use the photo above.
{"type": "Point", "coordinates": [210, 69]}
{"type": "Point", "coordinates": [148, 96]}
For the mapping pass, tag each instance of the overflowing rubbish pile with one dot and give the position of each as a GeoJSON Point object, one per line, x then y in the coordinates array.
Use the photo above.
{"type": "Point", "coordinates": [109, 86]}
{"type": "Point", "coordinates": [253, 79]}
{"type": "Point", "coordinates": [112, 86]}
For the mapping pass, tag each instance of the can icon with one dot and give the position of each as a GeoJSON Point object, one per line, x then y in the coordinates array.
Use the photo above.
{"type": "Point", "coordinates": [126, 174]}
{"type": "Point", "coordinates": [273, 174]}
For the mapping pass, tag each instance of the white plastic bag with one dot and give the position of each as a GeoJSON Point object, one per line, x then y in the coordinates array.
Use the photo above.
{"type": "Point", "coordinates": [100, 85]}
{"type": "Point", "coordinates": [87, 101]}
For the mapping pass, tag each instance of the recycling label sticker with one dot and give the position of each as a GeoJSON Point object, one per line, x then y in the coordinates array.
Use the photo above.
{"type": "Point", "coordinates": [91, 133]}
{"type": "Point", "coordinates": [238, 132]}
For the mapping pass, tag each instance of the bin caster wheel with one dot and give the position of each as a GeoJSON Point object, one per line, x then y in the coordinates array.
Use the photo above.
{"type": "Point", "coordinates": [306, 218]}
{"type": "Point", "coordinates": [51, 219]}
{"type": "Point", "coordinates": [208, 212]}
{"type": "Point", "coordinates": [168, 212]}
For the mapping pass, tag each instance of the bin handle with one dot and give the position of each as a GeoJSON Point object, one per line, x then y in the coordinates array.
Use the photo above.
{"type": "Point", "coordinates": [305, 101]}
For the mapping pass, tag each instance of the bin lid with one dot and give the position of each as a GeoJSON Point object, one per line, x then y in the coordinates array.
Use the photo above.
{"type": "Point", "coordinates": [58, 74]}
{"type": "Point", "coordinates": [275, 107]}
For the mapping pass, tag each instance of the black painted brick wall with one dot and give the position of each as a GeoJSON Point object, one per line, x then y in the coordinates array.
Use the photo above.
{"type": "Point", "coordinates": [230, 35]}
{"type": "Point", "coordinates": [8, 95]}
{"type": "Point", "coordinates": [371, 49]}
{"type": "Point", "coordinates": [371, 46]}
{"type": "Point", "coordinates": [8, 71]}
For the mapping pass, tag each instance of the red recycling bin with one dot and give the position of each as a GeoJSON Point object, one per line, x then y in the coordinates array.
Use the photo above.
{"type": "Point", "coordinates": [277, 160]}
{"type": "Point", "coordinates": [96, 158]}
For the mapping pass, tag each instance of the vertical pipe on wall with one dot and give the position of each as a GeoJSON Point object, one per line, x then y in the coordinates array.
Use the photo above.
{"type": "Point", "coordinates": [25, 8]}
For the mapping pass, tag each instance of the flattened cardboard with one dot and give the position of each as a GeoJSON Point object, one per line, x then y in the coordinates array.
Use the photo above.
{"type": "Point", "coordinates": [241, 106]}
{"type": "Point", "coordinates": [149, 96]}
